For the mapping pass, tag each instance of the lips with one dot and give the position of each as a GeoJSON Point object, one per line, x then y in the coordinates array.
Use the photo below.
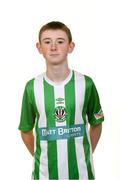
{"type": "Point", "coordinates": [54, 54]}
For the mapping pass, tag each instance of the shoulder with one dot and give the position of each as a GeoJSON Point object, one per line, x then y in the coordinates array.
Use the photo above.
{"type": "Point", "coordinates": [87, 79]}
{"type": "Point", "coordinates": [30, 83]}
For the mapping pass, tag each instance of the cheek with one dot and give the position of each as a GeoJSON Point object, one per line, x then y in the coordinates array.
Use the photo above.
{"type": "Point", "coordinates": [64, 48]}
{"type": "Point", "coordinates": [45, 51]}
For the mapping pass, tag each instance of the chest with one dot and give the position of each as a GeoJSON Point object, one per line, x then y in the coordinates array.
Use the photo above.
{"type": "Point", "coordinates": [59, 103]}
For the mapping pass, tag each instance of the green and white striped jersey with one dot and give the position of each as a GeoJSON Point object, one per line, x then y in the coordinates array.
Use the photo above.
{"type": "Point", "coordinates": [60, 113]}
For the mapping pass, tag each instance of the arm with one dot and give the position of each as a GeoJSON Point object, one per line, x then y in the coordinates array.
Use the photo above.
{"type": "Point", "coordinates": [95, 133]}
{"type": "Point", "coordinates": [28, 139]}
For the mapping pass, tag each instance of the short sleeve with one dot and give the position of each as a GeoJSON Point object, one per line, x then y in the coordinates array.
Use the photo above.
{"type": "Point", "coordinates": [27, 119]}
{"type": "Point", "coordinates": [94, 109]}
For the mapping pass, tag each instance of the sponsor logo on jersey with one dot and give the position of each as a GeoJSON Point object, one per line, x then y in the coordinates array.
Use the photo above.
{"type": "Point", "coordinates": [99, 114]}
{"type": "Point", "coordinates": [60, 101]}
{"type": "Point", "coordinates": [60, 114]}
{"type": "Point", "coordinates": [61, 132]}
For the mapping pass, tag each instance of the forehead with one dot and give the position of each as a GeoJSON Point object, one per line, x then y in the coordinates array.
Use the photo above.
{"type": "Point", "coordinates": [54, 34]}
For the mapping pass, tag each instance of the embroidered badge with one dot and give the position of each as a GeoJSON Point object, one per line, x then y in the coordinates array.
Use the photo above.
{"type": "Point", "coordinates": [99, 114]}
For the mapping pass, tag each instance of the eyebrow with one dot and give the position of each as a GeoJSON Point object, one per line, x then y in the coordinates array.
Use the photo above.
{"type": "Point", "coordinates": [50, 39]}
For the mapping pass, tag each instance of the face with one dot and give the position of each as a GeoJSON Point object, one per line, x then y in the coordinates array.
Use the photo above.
{"type": "Point", "coordinates": [55, 46]}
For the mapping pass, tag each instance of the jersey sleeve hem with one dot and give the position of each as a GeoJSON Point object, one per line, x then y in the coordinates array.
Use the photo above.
{"type": "Point", "coordinates": [97, 122]}
{"type": "Point", "coordinates": [28, 128]}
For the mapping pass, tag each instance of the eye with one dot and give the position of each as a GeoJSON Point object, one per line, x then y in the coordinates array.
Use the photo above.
{"type": "Point", "coordinates": [60, 42]}
{"type": "Point", "coordinates": [47, 42]}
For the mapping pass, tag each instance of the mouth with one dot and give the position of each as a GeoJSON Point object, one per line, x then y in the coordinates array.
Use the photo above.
{"type": "Point", "coordinates": [54, 55]}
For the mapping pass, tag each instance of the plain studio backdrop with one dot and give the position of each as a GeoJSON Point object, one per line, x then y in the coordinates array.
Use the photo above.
{"type": "Point", "coordinates": [95, 26]}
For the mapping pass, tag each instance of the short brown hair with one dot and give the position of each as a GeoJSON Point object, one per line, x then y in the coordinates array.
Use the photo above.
{"type": "Point", "coordinates": [55, 25]}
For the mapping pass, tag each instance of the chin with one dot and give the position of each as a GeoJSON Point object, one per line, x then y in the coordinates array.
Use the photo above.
{"type": "Point", "coordinates": [55, 62]}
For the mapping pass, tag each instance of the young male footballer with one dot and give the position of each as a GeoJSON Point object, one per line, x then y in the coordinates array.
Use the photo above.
{"type": "Point", "coordinates": [59, 104]}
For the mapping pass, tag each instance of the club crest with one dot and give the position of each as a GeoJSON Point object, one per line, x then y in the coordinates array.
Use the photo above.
{"type": "Point", "coordinates": [60, 114]}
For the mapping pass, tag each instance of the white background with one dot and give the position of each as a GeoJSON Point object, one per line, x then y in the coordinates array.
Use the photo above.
{"type": "Point", "coordinates": [95, 26]}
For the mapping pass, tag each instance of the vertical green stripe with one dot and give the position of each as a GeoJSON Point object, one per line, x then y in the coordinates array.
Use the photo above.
{"type": "Point", "coordinates": [70, 106]}
{"type": "Point", "coordinates": [87, 156]}
{"type": "Point", "coordinates": [86, 144]}
{"type": "Point", "coordinates": [52, 145]}
{"type": "Point", "coordinates": [37, 153]}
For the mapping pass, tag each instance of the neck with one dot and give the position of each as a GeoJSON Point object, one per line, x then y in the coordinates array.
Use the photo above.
{"type": "Point", "coordinates": [57, 73]}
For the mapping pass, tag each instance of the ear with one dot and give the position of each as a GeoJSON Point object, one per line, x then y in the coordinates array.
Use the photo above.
{"type": "Point", "coordinates": [38, 46]}
{"type": "Point", "coordinates": [71, 47]}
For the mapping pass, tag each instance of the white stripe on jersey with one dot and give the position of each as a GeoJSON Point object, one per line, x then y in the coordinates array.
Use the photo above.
{"type": "Point", "coordinates": [39, 96]}
{"type": "Point", "coordinates": [79, 99]}
{"type": "Point", "coordinates": [62, 152]}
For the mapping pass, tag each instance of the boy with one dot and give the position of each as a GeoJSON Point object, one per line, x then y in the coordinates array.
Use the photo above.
{"type": "Point", "coordinates": [59, 104]}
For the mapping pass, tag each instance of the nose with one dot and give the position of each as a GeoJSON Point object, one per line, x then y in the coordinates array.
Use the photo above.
{"type": "Point", "coordinates": [53, 46]}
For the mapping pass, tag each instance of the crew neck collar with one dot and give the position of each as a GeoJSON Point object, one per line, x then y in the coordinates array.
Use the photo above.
{"type": "Point", "coordinates": [58, 83]}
